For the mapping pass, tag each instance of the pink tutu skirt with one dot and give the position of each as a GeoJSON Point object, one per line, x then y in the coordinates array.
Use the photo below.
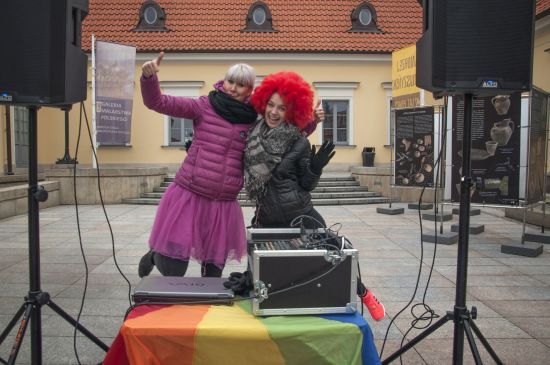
{"type": "Point", "coordinates": [188, 225]}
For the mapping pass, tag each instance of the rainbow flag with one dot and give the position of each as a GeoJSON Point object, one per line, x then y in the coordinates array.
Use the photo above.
{"type": "Point", "coordinates": [221, 334]}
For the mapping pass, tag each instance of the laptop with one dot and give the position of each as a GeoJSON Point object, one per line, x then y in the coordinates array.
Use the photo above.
{"type": "Point", "coordinates": [176, 289]}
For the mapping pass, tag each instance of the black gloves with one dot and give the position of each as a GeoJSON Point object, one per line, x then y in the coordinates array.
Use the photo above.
{"type": "Point", "coordinates": [239, 282]}
{"type": "Point", "coordinates": [187, 144]}
{"type": "Point", "coordinates": [322, 157]}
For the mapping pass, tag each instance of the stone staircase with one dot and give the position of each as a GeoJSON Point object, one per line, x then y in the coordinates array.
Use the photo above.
{"type": "Point", "coordinates": [331, 190]}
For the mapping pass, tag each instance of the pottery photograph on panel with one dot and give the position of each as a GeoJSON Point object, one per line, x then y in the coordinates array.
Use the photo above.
{"type": "Point", "coordinates": [502, 131]}
{"type": "Point", "coordinates": [501, 104]}
{"type": "Point", "coordinates": [491, 147]}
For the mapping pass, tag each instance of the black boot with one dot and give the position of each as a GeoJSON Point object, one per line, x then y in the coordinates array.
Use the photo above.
{"type": "Point", "coordinates": [146, 264]}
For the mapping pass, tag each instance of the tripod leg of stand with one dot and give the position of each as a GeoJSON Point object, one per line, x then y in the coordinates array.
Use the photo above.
{"type": "Point", "coordinates": [418, 338]}
{"type": "Point", "coordinates": [20, 333]}
{"type": "Point", "coordinates": [472, 342]}
{"type": "Point", "coordinates": [485, 343]}
{"type": "Point", "coordinates": [12, 323]}
{"type": "Point", "coordinates": [80, 327]}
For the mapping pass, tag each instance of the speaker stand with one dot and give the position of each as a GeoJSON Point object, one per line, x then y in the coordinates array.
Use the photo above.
{"type": "Point", "coordinates": [36, 298]}
{"type": "Point", "coordinates": [463, 318]}
{"type": "Point", "coordinates": [66, 159]}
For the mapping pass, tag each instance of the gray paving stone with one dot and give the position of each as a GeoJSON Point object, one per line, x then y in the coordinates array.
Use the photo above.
{"type": "Point", "coordinates": [490, 327]}
{"type": "Point", "coordinates": [537, 237]}
{"type": "Point", "coordinates": [411, 357]}
{"type": "Point", "coordinates": [439, 308]}
{"type": "Point", "coordinates": [473, 211]}
{"type": "Point", "coordinates": [545, 279]}
{"type": "Point", "coordinates": [512, 293]}
{"type": "Point", "coordinates": [390, 211]}
{"type": "Point", "coordinates": [445, 238]}
{"type": "Point", "coordinates": [536, 327]}
{"type": "Point", "coordinates": [474, 228]}
{"type": "Point", "coordinates": [502, 280]}
{"type": "Point", "coordinates": [421, 206]}
{"type": "Point", "coordinates": [100, 326]}
{"type": "Point", "coordinates": [437, 217]}
{"type": "Point", "coordinates": [527, 249]}
{"type": "Point", "coordinates": [510, 351]}
{"type": "Point", "coordinates": [521, 308]}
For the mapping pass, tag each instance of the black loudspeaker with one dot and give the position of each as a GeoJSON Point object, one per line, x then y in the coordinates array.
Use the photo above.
{"type": "Point", "coordinates": [475, 46]}
{"type": "Point", "coordinates": [42, 61]}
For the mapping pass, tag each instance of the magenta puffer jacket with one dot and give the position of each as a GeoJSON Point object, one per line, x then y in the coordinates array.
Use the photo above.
{"type": "Point", "coordinates": [214, 164]}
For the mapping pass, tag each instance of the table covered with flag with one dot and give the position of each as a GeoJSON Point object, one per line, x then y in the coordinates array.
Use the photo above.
{"type": "Point", "coordinates": [231, 334]}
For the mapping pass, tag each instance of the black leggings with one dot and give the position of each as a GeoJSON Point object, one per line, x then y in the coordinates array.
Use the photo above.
{"type": "Point", "coordinates": [169, 266]}
{"type": "Point", "coordinates": [316, 222]}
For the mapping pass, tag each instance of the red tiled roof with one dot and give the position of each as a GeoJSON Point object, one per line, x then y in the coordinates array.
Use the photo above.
{"type": "Point", "coordinates": [542, 8]}
{"type": "Point", "coordinates": [317, 26]}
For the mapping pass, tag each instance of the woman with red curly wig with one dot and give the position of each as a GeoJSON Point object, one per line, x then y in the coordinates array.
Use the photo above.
{"type": "Point", "coordinates": [280, 168]}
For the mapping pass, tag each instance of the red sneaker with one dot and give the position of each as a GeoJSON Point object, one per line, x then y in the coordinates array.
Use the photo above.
{"type": "Point", "coordinates": [376, 309]}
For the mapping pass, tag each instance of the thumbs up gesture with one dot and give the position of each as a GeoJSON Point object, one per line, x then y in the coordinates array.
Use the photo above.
{"type": "Point", "coordinates": [319, 113]}
{"type": "Point", "coordinates": [150, 68]}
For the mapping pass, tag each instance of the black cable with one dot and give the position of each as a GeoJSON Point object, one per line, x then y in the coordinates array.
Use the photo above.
{"type": "Point", "coordinates": [105, 211]}
{"type": "Point", "coordinates": [334, 266]}
{"type": "Point", "coordinates": [428, 309]}
{"type": "Point", "coordinates": [86, 274]}
{"type": "Point", "coordinates": [335, 234]}
{"type": "Point", "coordinates": [429, 314]}
{"type": "Point", "coordinates": [359, 276]}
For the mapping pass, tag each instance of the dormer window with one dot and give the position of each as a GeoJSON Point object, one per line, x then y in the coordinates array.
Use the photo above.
{"type": "Point", "coordinates": [259, 18]}
{"type": "Point", "coordinates": [151, 18]}
{"type": "Point", "coordinates": [363, 19]}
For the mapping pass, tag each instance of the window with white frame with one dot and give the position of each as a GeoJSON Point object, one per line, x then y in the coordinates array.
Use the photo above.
{"type": "Point", "coordinates": [177, 131]}
{"type": "Point", "coordinates": [336, 122]}
{"type": "Point", "coordinates": [337, 100]}
{"type": "Point", "coordinates": [181, 131]}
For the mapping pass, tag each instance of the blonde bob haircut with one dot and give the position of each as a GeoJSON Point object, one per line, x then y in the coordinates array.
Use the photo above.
{"type": "Point", "coordinates": [241, 73]}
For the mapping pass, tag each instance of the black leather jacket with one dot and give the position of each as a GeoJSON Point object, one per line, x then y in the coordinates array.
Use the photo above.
{"type": "Point", "coordinates": [288, 191]}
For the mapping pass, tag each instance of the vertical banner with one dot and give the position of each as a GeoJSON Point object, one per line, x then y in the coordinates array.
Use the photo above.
{"type": "Point", "coordinates": [538, 119]}
{"type": "Point", "coordinates": [114, 92]}
{"type": "Point", "coordinates": [495, 152]}
{"type": "Point", "coordinates": [405, 94]}
{"type": "Point", "coordinates": [414, 147]}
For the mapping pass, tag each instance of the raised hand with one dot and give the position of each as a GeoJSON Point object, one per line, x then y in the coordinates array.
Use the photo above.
{"type": "Point", "coordinates": [150, 68]}
{"type": "Point", "coordinates": [319, 113]}
{"type": "Point", "coordinates": [322, 157]}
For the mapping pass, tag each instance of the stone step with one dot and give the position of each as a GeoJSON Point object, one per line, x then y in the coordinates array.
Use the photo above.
{"type": "Point", "coordinates": [314, 195]}
{"type": "Point", "coordinates": [343, 201]}
{"type": "Point", "coordinates": [326, 189]}
{"type": "Point", "coordinates": [316, 202]}
{"type": "Point", "coordinates": [329, 178]}
{"type": "Point", "coordinates": [322, 183]}
{"type": "Point", "coordinates": [336, 195]}
{"type": "Point", "coordinates": [331, 190]}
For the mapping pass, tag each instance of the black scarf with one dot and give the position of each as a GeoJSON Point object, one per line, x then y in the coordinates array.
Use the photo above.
{"type": "Point", "coordinates": [231, 109]}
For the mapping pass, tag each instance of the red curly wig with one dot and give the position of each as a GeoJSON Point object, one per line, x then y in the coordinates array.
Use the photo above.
{"type": "Point", "coordinates": [295, 92]}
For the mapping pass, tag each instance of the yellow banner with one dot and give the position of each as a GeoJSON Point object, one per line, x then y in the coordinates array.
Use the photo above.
{"type": "Point", "coordinates": [403, 72]}
{"type": "Point", "coordinates": [406, 101]}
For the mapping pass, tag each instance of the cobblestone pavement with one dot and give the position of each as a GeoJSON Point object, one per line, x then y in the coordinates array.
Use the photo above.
{"type": "Point", "coordinates": [511, 293]}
